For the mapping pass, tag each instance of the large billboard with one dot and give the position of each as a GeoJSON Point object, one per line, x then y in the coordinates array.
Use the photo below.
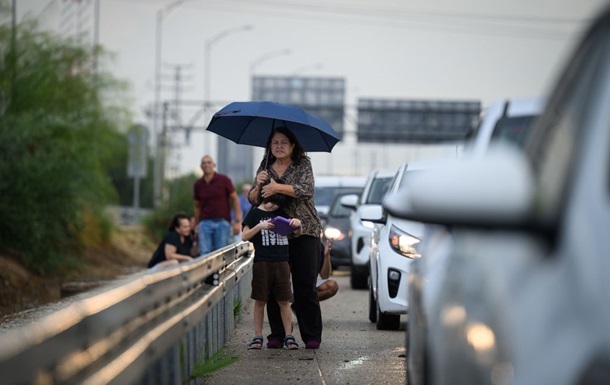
{"type": "Point", "coordinates": [414, 121]}
{"type": "Point", "coordinates": [323, 97]}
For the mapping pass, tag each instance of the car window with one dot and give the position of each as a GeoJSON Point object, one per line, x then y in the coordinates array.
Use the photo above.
{"type": "Point", "coordinates": [340, 211]}
{"type": "Point", "coordinates": [514, 129]}
{"type": "Point", "coordinates": [324, 195]}
{"type": "Point", "coordinates": [554, 140]}
{"type": "Point", "coordinates": [379, 187]}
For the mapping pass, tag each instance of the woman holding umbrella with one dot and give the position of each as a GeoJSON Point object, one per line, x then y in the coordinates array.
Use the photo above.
{"type": "Point", "coordinates": [285, 159]}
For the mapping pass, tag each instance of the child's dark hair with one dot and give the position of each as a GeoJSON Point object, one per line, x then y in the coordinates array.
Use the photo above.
{"type": "Point", "coordinates": [278, 199]}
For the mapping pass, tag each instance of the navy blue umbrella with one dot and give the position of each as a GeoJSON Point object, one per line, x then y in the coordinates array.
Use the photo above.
{"type": "Point", "coordinates": [251, 123]}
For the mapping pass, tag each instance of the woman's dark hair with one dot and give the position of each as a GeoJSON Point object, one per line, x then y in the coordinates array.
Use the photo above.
{"type": "Point", "coordinates": [176, 221]}
{"type": "Point", "coordinates": [298, 152]}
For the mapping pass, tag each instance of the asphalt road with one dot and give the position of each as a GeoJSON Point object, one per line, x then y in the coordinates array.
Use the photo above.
{"type": "Point", "coordinates": [353, 351]}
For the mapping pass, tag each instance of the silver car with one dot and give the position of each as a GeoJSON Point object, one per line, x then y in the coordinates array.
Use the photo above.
{"type": "Point", "coordinates": [525, 296]}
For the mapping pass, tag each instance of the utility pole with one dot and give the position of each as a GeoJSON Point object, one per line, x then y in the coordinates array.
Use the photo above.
{"type": "Point", "coordinates": [170, 112]}
{"type": "Point", "coordinates": [162, 150]}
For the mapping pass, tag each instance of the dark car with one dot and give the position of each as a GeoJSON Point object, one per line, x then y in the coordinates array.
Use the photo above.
{"type": "Point", "coordinates": [336, 225]}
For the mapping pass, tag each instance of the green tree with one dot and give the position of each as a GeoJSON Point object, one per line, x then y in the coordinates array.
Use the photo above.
{"type": "Point", "coordinates": [180, 200]}
{"type": "Point", "coordinates": [57, 132]}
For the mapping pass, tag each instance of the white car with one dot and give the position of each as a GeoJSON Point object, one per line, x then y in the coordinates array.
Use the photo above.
{"type": "Point", "coordinates": [525, 299]}
{"type": "Point", "coordinates": [391, 253]}
{"type": "Point", "coordinates": [507, 120]}
{"type": "Point", "coordinates": [375, 189]}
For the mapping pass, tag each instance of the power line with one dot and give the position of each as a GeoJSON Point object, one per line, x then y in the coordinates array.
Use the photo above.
{"type": "Point", "coordinates": [394, 12]}
{"type": "Point", "coordinates": [477, 23]}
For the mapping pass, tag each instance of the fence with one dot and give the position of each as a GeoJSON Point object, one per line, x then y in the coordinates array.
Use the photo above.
{"type": "Point", "coordinates": [149, 328]}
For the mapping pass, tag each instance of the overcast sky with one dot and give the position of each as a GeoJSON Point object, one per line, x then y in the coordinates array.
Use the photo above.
{"type": "Point", "coordinates": [418, 49]}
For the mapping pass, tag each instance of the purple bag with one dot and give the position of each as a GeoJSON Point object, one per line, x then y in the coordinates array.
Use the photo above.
{"type": "Point", "coordinates": [282, 226]}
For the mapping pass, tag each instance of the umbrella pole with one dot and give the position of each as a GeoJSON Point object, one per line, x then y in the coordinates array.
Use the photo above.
{"type": "Point", "coordinates": [269, 149]}
{"type": "Point", "coordinates": [266, 160]}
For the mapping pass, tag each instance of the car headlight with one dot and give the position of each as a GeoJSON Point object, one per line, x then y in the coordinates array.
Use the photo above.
{"type": "Point", "coordinates": [403, 243]}
{"type": "Point", "coordinates": [333, 233]}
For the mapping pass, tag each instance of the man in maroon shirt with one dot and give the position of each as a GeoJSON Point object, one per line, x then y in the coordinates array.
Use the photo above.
{"type": "Point", "coordinates": [214, 195]}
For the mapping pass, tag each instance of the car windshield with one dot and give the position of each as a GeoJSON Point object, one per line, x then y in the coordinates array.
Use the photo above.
{"type": "Point", "coordinates": [513, 129]}
{"type": "Point", "coordinates": [324, 195]}
{"type": "Point", "coordinates": [378, 189]}
{"type": "Point", "coordinates": [406, 176]}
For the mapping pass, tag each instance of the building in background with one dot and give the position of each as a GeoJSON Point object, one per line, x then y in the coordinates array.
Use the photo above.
{"type": "Point", "coordinates": [321, 96]}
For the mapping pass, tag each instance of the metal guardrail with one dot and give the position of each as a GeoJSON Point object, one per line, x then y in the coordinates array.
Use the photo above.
{"type": "Point", "coordinates": [150, 328]}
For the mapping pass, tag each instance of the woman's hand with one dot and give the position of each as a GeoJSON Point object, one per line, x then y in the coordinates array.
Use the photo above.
{"type": "Point", "coordinates": [328, 246]}
{"type": "Point", "coordinates": [295, 223]}
{"type": "Point", "coordinates": [261, 178]}
{"type": "Point", "coordinates": [270, 189]}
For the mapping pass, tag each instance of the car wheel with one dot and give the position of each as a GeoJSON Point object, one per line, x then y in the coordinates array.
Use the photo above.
{"type": "Point", "coordinates": [372, 304]}
{"type": "Point", "coordinates": [387, 321]}
{"type": "Point", "coordinates": [358, 277]}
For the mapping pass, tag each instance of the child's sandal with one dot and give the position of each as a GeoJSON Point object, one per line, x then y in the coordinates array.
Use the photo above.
{"type": "Point", "coordinates": [256, 343]}
{"type": "Point", "coordinates": [290, 343]}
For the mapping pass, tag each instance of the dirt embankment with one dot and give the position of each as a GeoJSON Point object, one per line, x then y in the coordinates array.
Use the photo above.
{"type": "Point", "coordinates": [21, 289]}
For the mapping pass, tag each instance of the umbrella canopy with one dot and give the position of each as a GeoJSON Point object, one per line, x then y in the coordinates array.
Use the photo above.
{"type": "Point", "coordinates": [251, 123]}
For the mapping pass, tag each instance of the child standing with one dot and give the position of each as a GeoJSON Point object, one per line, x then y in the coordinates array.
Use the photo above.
{"type": "Point", "coordinates": [271, 271]}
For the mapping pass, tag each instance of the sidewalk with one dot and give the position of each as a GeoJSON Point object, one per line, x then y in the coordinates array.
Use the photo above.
{"type": "Point", "coordinates": [352, 350]}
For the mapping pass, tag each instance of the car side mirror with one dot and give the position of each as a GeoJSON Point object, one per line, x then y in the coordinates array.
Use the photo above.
{"type": "Point", "coordinates": [372, 213]}
{"type": "Point", "coordinates": [350, 201]}
{"type": "Point", "coordinates": [496, 190]}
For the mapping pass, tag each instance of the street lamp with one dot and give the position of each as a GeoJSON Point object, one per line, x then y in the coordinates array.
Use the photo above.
{"type": "Point", "coordinates": [267, 56]}
{"type": "Point", "coordinates": [314, 67]}
{"type": "Point", "coordinates": [207, 49]}
{"type": "Point", "coordinates": [207, 66]}
{"type": "Point", "coordinates": [159, 165]}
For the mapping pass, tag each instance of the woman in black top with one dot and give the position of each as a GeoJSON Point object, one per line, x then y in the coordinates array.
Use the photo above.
{"type": "Point", "coordinates": [177, 246]}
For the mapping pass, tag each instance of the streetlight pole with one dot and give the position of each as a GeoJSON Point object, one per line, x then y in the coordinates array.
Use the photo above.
{"type": "Point", "coordinates": [253, 64]}
{"type": "Point", "coordinates": [314, 67]}
{"type": "Point", "coordinates": [159, 164]}
{"type": "Point", "coordinates": [265, 57]}
{"type": "Point", "coordinates": [207, 68]}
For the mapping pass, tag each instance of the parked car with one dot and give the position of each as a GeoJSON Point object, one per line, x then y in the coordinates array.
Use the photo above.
{"type": "Point", "coordinates": [327, 186]}
{"type": "Point", "coordinates": [391, 253]}
{"type": "Point", "coordinates": [526, 299]}
{"type": "Point", "coordinates": [336, 226]}
{"type": "Point", "coordinates": [504, 121]}
{"type": "Point", "coordinates": [375, 189]}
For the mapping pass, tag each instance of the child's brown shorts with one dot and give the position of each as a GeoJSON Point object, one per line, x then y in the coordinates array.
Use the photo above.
{"type": "Point", "coordinates": [271, 277]}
